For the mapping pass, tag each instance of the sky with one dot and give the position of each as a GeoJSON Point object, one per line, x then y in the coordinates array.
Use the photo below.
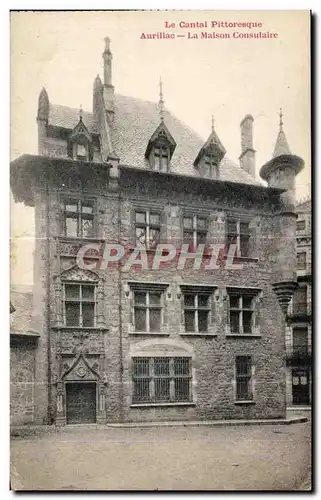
{"type": "Point", "coordinates": [227, 78]}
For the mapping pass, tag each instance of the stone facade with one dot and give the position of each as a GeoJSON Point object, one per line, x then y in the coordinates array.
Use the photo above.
{"type": "Point", "coordinates": [22, 381]}
{"type": "Point", "coordinates": [104, 353]}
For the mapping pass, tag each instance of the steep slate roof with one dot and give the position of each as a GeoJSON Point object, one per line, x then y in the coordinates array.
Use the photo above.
{"type": "Point", "coordinates": [281, 145]}
{"type": "Point", "coordinates": [135, 121]}
{"type": "Point", "coordinates": [20, 319]}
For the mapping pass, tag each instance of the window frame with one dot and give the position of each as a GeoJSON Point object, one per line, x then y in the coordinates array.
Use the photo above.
{"type": "Point", "coordinates": [238, 235]}
{"type": "Point", "coordinates": [244, 376]}
{"type": "Point", "coordinates": [211, 164]}
{"type": "Point", "coordinates": [148, 307]}
{"type": "Point", "coordinates": [152, 378]}
{"type": "Point", "coordinates": [147, 225]}
{"type": "Point", "coordinates": [80, 301]}
{"type": "Point", "coordinates": [301, 266]}
{"type": "Point", "coordinates": [196, 308]}
{"type": "Point", "coordinates": [303, 223]}
{"type": "Point", "coordinates": [240, 310]}
{"type": "Point", "coordinates": [195, 230]}
{"type": "Point", "coordinates": [79, 215]}
{"type": "Point", "coordinates": [161, 157]}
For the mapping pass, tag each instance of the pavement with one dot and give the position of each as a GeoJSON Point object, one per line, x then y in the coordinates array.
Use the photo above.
{"type": "Point", "coordinates": [265, 458]}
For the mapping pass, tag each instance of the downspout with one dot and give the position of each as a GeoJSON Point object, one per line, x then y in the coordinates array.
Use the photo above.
{"type": "Point", "coordinates": [48, 312]}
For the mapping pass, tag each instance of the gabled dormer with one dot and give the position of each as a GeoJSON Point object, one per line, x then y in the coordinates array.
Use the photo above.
{"type": "Point", "coordinates": [160, 149]}
{"type": "Point", "coordinates": [209, 157]}
{"type": "Point", "coordinates": [80, 146]}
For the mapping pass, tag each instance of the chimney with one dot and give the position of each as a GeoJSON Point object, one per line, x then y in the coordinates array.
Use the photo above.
{"type": "Point", "coordinates": [42, 120]}
{"type": "Point", "coordinates": [247, 156]}
{"type": "Point", "coordinates": [108, 87]}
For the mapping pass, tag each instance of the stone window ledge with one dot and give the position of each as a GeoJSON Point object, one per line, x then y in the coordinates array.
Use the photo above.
{"type": "Point", "coordinates": [198, 334]}
{"type": "Point", "coordinates": [150, 333]}
{"type": "Point", "coordinates": [80, 328]}
{"type": "Point", "coordinates": [147, 405]}
{"type": "Point", "coordinates": [70, 239]}
{"type": "Point", "coordinates": [249, 402]}
{"type": "Point", "coordinates": [244, 335]}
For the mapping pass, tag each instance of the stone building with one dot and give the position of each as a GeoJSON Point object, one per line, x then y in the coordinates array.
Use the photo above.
{"type": "Point", "coordinates": [299, 320]}
{"type": "Point", "coordinates": [127, 340]}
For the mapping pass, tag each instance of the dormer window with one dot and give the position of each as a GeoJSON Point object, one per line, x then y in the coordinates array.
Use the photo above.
{"type": "Point", "coordinates": [80, 145]}
{"type": "Point", "coordinates": [209, 157]}
{"type": "Point", "coordinates": [160, 149]}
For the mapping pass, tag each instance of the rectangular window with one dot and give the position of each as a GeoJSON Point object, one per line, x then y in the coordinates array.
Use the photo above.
{"type": "Point", "coordinates": [194, 230]}
{"type": "Point", "coordinates": [238, 233]}
{"type": "Point", "coordinates": [300, 225]}
{"type": "Point", "coordinates": [243, 365]}
{"type": "Point", "coordinates": [242, 313]}
{"type": "Point", "coordinates": [147, 228]}
{"type": "Point", "coordinates": [211, 165]}
{"type": "Point", "coordinates": [300, 341]}
{"type": "Point", "coordinates": [300, 300]}
{"type": "Point", "coordinates": [161, 159]}
{"type": "Point", "coordinates": [79, 303]}
{"type": "Point", "coordinates": [148, 311]}
{"type": "Point", "coordinates": [79, 218]}
{"type": "Point", "coordinates": [196, 312]}
{"type": "Point", "coordinates": [301, 260]}
{"type": "Point", "coordinates": [161, 380]}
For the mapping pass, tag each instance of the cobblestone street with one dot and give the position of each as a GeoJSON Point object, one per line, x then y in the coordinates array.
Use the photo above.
{"type": "Point", "coordinates": [265, 457]}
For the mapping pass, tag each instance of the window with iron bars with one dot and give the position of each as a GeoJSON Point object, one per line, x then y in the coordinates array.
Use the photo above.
{"type": "Point", "coordinates": [147, 228]}
{"type": "Point", "coordinates": [301, 260]}
{"type": "Point", "coordinates": [243, 366]}
{"type": "Point", "coordinates": [242, 313]}
{"type": "Point", "coordinates": [79, 305]}
{"type": "Point", "coordinates": [238, 233]}
{"type": "Point", "coordinates": [148, 311]}
{"type": "Point", "coordinates": [161, 380]}
{"type": "Point", "coordinates": [194, 230]}
{"type": "Point", "coordinates": [212, 169]}
{"type": "Point", "coordinates": [79, 218]}
{"type": "Point", "coordinates": [196, 312]}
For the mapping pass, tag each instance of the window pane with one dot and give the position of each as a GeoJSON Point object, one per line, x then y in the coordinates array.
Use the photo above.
{"type": "Point", "coordinates": [81, 150]}
{"type": "Point", "coordinates": [71, 206]}
{"type": "Point", "coordinates": [141, 367]}
{"type": "Point", "coordinates": [234, 301]}
{"type": "Point", "coordinates": [234, 321]}
{"type": "Point", "coordinates": [154, 236]}
{"type": "Point", "coordinates": [231, 226]}
{"type": "Point", "coordinates": [188, 237]}
{"type": "Point", "coordinates": [72, 291]}
{"type": "Point", "coordinates": [88, 314]}
{"type": "Point", "coordinates": [201, 223]}
{"type": "Point", "coordinates": [247, 321]}
{"type": "Point", "coordinates": [189, 300]}
{"type": "Point", "coordinates": [87, 208]}
{"type": "Point", "coordinates": [140, 236]}
{"type": "Point", "coordinates": [140, 320]}
{"type": "Point", "coordinates": [181, 389]}
{"type": "Point", "coordinates": [162, 390]}
{"type": "Point", "coordinates": [203, 300]}
{"type": "Point", "coordinates": [300, 225]}
{"type": "Point", "coordinates": [72, 314]}
{"type": "Point", "coordinates": [140, 298]}
{"type": "Point", "coordinates": [154, 299]}
{"type": "Point", "coordinates": [188, 223]}
{"type": "Point", "coordinates": [161, 366]}
{"type": "Point", "coordinates": [243, 389]}
{"type": "Point", "coordinates": [244, 245]}
{"type": "Point", "coordinates": [141, 391]}
{"type": "Point", "coordinates": [87, 227]}
{"type": "Point", "coordinates": [201, 238]}
{"type": "Point", "coordinates": [247, 302]}
{"type": "Point", "coordinates": [181, 366]}
{"type": "Point", "coordinates": [189, 321]}
{"type": "Point", "coordinates": [154, 219]}
{"type": "Point", "coordinates": [243, 365]}
{"type": "Point", "coordinates": [140, 217]}
{"type": "Point", "coordinates": [231, 239]}
{"type": "Point", "coordinates": [154, 320]}
{"type": "Point", "coordinates": [300, 340]}
{"type": "Point", "coordinates": [88, 292]}
{"type": "Point", "coordinates": [71, 226]}
{"type": "Point", "coordinates": [244, 228]}
{"type": "Point", "coordinates": [202, 321]}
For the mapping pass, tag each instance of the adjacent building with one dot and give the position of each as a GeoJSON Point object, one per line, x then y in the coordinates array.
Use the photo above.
{"type": "Point", "coordinates": [299, 320]}
{"type": "Point", "coordinates": [200, 336]}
